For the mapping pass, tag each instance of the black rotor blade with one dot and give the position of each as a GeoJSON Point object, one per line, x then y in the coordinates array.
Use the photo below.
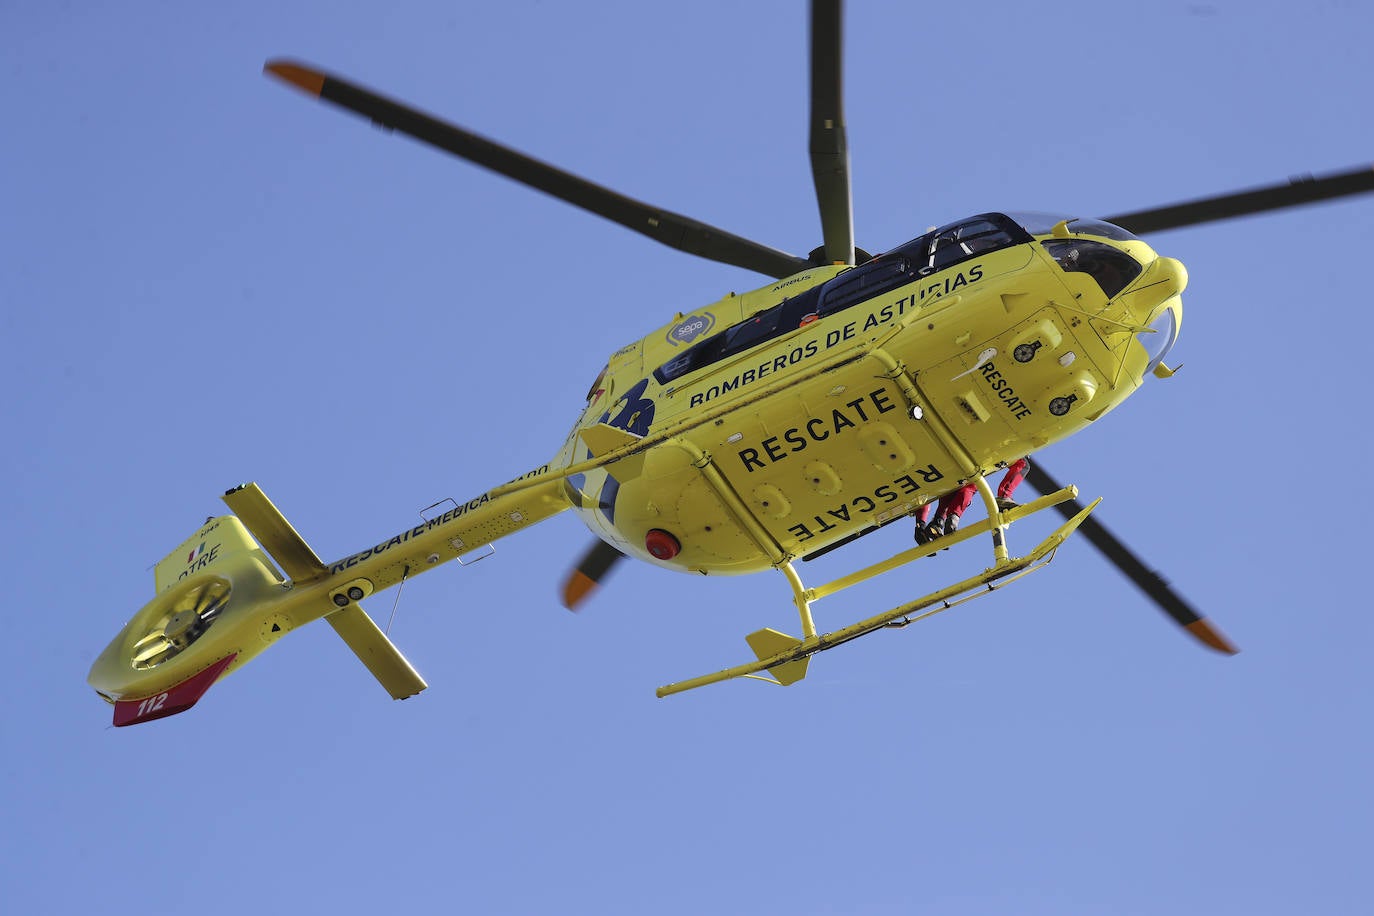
{"type": "Point", "coordinates": [829, 147]}
{"type": "Point", "coordinates": [1305, 189]}
{"type": "Point", "coordinates": [1149, 581]}
{"type": "Point", "coordinates": [596, 564]}
{"type": "Point", "coordinates": [672, 229]}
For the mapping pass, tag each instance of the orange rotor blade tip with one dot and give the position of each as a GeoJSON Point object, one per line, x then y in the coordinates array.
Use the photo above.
{"type": "Point", "coordinates": [1209, 636]}
{"type": "Point", "coordinates": [312, 81]}
{"type": "Point", "coordinates": [577, 588]}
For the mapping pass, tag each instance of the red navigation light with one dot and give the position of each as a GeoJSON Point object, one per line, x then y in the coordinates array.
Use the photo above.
{"type": "Point", "coordinates": [661, 544]}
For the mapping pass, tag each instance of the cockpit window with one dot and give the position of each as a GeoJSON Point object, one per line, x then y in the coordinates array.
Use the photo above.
{"type": "Point", "coordinates": [1044, 223]}
{"type": "Point", "coordinates": [969, 238]}
{"type": "Point", "coordinates": [1112, 268]}
{"type": "Point", "coordinates": [1098, 227]}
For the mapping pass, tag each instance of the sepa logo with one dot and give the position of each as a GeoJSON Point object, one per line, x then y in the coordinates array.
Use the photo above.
{"type": "Point", "coordinates": [690, 328]}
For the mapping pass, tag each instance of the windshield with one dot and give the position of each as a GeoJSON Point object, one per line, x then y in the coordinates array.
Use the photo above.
{"type": "Point", "coordinates": [1159, 340]}
{"type": "Point", "coordinates": [1044, 223]}
{"type": "Point", "coordinates": [1112, 268]}
{"type": "Point", "coordinates": [1103, 229]}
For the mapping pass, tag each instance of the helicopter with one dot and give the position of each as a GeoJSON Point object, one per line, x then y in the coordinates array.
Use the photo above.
{"type": "Point", "coordinates": [752, 433]}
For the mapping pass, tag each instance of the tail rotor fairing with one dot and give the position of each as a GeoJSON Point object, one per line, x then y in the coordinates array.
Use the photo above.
{"type": "Point", "coordinates": [175, 625]}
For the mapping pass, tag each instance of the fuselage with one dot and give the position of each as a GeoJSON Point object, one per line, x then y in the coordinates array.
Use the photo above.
{"type": "Point", "coordinates": [782, 420]}
{"type": "Point", "coordinates": [764, 427]}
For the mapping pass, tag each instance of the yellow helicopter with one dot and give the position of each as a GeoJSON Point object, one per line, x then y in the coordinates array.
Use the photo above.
{"type": "Point", "coordinates": [754, 432]}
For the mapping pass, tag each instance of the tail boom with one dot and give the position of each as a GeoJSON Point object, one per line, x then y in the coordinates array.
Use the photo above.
{"type": "Point", "coordinates": [221, 601]}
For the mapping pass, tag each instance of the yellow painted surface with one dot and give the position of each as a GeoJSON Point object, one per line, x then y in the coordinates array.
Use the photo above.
{"type": "Point", "coordinates": [840, 424]}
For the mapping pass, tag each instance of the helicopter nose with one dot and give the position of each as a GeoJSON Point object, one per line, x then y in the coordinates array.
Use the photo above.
{"type": "Point", "coordinates": [1169, 271]}
{"type": "Point", "coordinates": [1178, 271]}
{"type": "Point", "coordinates": [1163, 280]}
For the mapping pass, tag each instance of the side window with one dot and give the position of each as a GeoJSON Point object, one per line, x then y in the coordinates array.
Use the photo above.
{"type": "Point", "coordinates": [864, 282]}
{"type": "Point", "coordinates": [678, 366]}
{"type": "Point", "coordinates": [963, 240]}
{"type": "Point", "coordinates": [596, 385]}
{"type": "Point", "coordinates": [752, 330]}
{"type": "Point", "coordinates": [787, 316]}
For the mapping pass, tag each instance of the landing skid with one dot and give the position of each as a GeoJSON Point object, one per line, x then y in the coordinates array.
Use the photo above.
{"type": "Point", "coordinates": [785, 658]}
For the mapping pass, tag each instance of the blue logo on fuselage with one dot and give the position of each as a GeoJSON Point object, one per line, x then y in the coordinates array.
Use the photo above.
{"type": "Point", "coordinates": [690, 328]}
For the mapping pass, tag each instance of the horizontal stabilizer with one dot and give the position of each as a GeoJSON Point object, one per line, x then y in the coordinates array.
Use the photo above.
{"type": "Point", "coordinates": [274, 532]}
{"type": "Point", "coordinates": [767, 643]}
{"type": "Point", "coordinates": [170, 702]}
{"type": "Point", "coordinates": [378, 653]}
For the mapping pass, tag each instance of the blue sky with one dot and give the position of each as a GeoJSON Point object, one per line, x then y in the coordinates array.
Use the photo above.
{"type": "Point", "coordinates": [211, 279]}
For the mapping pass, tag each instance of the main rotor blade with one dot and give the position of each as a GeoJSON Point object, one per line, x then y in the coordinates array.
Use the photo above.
{"type": "Point", "coordinates": [829, 147]}
{"type": "Point", "coordinates": [1149, 581]}
{"type": "Point", "coordinates": [664, 226]}
{"type": "Point", "coordinates": [1304, 189]}
{"type": "Point", "coordinates": [596, 564]}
